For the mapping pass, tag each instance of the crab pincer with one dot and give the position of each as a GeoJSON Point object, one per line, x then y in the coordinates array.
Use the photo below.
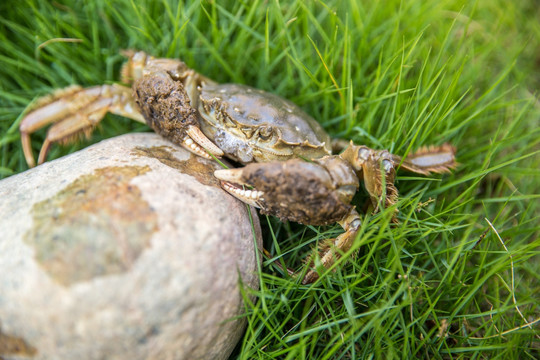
{"type": "Point", "coordinates": [167, 108]}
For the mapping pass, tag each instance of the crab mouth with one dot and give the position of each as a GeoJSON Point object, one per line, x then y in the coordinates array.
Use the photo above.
{"type": "Point", "coordinates": [232, 183]}
{"type": "Point", "coordinates": [196, 142]}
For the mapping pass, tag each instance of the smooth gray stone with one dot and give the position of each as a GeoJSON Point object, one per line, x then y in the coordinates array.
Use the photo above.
{"type": "Point", "coordinates": [127, 249]}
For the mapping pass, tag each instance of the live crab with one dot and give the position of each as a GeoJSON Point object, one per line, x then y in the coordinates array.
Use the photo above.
{"type": "Point", "coordinates": [291, 172]}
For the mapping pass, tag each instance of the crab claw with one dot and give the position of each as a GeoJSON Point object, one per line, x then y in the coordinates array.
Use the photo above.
{"type": "Point", "coordinates": [316, 193]}
{"type": "Point", "coordinates": [166, 107]}
{"type": "Point", "coordinates": [239, 183]}
{"type": "Point", "coordinates": [294, 190]}
{"type": "Point", "coordinates": [239, 189]}
{"type": "Point", "coordinates": [196, 142]}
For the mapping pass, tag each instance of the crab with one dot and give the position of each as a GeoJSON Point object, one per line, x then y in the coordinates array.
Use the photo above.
{"type": "Point", "coordinates": [290, 171]}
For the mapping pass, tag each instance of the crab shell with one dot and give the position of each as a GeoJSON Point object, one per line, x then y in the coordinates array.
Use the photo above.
{"type": "Point", "coordinates": [251, 125]}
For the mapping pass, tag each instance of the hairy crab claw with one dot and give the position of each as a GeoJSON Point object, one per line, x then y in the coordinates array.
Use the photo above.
{"type": "Point", "coordinates": [315, 193]}
{"type": "Point", "coordinates": [232, 182]}
{"type": "Point", "coordinates": [166, 106]}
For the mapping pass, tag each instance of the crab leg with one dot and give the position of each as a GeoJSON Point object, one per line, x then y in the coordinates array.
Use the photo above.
{"type": "Point", "coordinates": [332, 249]}
{"type": "Point", "coordinates": [66, 129]}
{"type": "Point", "coordinates": [75, 111]}
{"type": "Point", "coordinates": [376, 168]}
{"type": "Point", "coordinates": [429, 159]}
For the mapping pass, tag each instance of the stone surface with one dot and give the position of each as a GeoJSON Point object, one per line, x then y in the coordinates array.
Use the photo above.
{"type": "Point", "coordinates": [127, 249]}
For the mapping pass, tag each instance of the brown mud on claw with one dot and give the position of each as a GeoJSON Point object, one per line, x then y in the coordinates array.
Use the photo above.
{"type": "Point", "coordinates": [167, 109]}
{"type": "Point", "coordinates": [320, 192]}
{"type": "Point", "coordinates": [315, 193]}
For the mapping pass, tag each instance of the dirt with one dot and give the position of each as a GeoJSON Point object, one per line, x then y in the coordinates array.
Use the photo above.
{"type": "Point", "coordinates": [195, 166]}
{"type": "Point", "coordinates": [98, 225]}
{"type": "Point", "coordinates": [14, 345]}
{"type": "Point", "coordinates": [165, 105]}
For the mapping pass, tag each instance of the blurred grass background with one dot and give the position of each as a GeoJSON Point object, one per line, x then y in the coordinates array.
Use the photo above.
{"type": "Point", "coordinates": [459, 277]}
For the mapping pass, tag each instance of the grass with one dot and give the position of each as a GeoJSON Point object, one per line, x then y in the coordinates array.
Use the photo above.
{"type": "Point", "coordinates": [459, 277]}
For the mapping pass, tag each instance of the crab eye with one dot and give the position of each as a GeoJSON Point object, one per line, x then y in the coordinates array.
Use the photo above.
{"type": "Point", "coordinates": [387, 165]}
{"type": "Point", "coordinates": [266, 132]}
{"type": "Point", "coordinates": [363, 153]}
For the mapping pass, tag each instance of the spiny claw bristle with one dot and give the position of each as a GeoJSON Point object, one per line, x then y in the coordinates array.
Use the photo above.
{"type": "Point", "coordinates": [251, 197]}
{"type": "Point", "coordinates": [125, 73]}
{"type": "Point", "coordinates": [203, 142]}
{"type": "Point", "coordinates": [83, 133]}
{"type": "Point", "coordinates": [435, 158]}
{"type": "Point", "coordinates": [195, 148]}
{"type": "Point", "coordinates": [251, 194]}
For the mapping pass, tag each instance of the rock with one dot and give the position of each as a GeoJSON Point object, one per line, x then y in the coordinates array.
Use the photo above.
{"type": "Point", "coordinates": [127, 249]}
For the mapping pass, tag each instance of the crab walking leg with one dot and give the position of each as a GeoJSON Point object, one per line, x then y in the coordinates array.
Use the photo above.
{"type": "Point", "coordinates": [377, 169]}
{"type": "Point", "coordinates": [429, 159]}
{"type": "Point", "coordinates": [75, 110]}
{"type": "Point", "coordinates": [64, 130]}
{"type": "Point", "coordinates": [332, 249]}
